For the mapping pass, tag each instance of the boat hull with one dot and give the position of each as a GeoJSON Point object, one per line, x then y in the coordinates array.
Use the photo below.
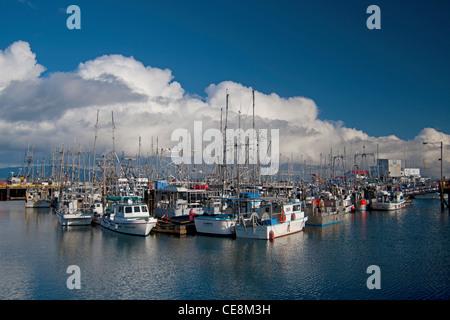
{"type": "Point", "coordinates": [269, 232]}
{"type": "Point", "coordinates": [74, 219]}
{"type": "Point", "coordinates": [220, 225]}
{"type": "Point", "coordinates": [361, 207]}
{"type": "Point", "coordinates": [387, 206]}
{"type": "Point", "coordinates": [37, 204]}
{"type": "Point", "coordinates": [138, 227]}
{"type": "Point", "coordinates": [325, 219]}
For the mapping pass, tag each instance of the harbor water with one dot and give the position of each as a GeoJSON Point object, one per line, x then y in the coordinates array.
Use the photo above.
{"type": "Point", "coordinates": [410, 247]}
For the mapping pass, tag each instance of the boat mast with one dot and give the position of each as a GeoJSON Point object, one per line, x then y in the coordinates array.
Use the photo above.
{"type": "Point", "coordinates": [258, 172]}
{"type": "Point", "coordinates": [238, 181]}
{"type": "Point", "coordinates": [61, 178]}
{"type": "Point", "coordinates": [253, 149]}
{"type": "Point", "coordinates": [95, 145]}
{"type": "Point", "coordinates": [219, 167]}
{"type": "Point", "coordinates": [113, 127]}
{"type": "Point", "coordinates": [225, 173]}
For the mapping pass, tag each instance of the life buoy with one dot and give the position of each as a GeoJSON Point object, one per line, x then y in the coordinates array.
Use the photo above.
{"type": "Point", "coordinates": [283, 218]}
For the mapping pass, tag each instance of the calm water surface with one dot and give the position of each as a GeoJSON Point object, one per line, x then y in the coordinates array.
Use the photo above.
{"type": "Point", "coordinates": [411, 247]}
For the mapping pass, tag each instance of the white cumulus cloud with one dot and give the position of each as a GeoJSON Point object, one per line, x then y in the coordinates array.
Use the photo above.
{"type": "Point", "coordinates": [47, 111]}
{"type": "Point", "coordinates": [17, 62]}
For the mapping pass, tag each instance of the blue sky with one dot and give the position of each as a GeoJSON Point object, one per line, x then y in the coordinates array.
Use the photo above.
{"type": "Point", "coordinates": [389, 81]}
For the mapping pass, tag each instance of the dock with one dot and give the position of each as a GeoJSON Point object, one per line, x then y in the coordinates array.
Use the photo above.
{"type": "Point", "coordinates": [411, 193]}
{"type": "Point", "coordinates": [13, 192]}
{"type": "Point", "coordinates": [175, 227]}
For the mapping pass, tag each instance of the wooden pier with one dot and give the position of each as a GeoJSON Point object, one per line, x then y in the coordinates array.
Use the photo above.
{"type": "Point", "coordinates": [10, 192]}
{"type": "Point", "coordinates": [174, 227]}
{"type": "Point", "coordinates": [13, 192]}
{"type": "Point", "coordinates": [411, 193]}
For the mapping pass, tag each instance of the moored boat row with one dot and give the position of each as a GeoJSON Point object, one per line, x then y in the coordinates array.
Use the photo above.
{"type": "Point", "coordinates": [246, 216]}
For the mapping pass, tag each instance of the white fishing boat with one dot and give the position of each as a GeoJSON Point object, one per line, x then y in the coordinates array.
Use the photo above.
{"type": "Point", "coordinates": [388, 201]}
{"type": "Point", "coordinates": [71, 213]}
{"type": "Point", "coordinates": [223, 224]}
{"type": "Point", "coordinates": [36, 199]}
{"type": "Point", "coordinates": [218, 224]}
{"type": "Point", "coordinates": [274, 219]}
{"type": "Point", "coordinates": [347, 203]}
{"type": "Point", "coordinates": [97, 211]}
{"type": "Point", "coordinates": [178, 201]}
{"type": "Point", "coordinates": [129, 218]}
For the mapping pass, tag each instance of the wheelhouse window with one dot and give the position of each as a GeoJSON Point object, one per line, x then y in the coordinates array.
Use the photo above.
{"type": "Point", "coordinates": [128, 209]}
{"type": "Point", "coordinates": [144, 209]}
{"type": "Point", "coordinates": [137, 209]}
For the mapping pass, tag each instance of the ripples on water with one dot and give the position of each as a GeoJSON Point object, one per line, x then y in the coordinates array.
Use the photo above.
{"type": "Point", "coordinates": [411, 247]}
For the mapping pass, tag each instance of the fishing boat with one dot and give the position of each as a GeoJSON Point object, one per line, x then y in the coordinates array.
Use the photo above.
{"type": "Point", "coordinates": [129, 216]}
{"type": "Point", "coordinates": [273, 219]}
{"type": "Point", "coordinates": [359, 202]}
{"type": "Point", "coordinates": [347, 203]}
{"type": "Point", "coordinates": [36, 199]}
{"type": "Point", "coordinates": [223, 224]}
{"type": "Point", "coordinates": [97, 211]}
{"type": "Point", "coordinates": [388, 201]}
{"type": "Point", "coordinates": [178, 201]}
{"type": "Point", "coordinates": [218, 224]}
{"type": "Point", "coordinates": [72, 212]}
{"type": "Point", "coordinates": [322, 212]}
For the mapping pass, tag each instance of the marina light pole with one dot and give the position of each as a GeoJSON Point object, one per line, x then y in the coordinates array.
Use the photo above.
{"type": "Point", "coordinates": [441, 182]}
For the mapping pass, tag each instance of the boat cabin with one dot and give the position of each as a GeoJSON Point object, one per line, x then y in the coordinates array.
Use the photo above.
{"type": "Point", "coordinates": [385, 196]}
{"type": "Point", "coordinates": [125, 210]}
{"type": "Point", "coordinates": [279, 211]}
